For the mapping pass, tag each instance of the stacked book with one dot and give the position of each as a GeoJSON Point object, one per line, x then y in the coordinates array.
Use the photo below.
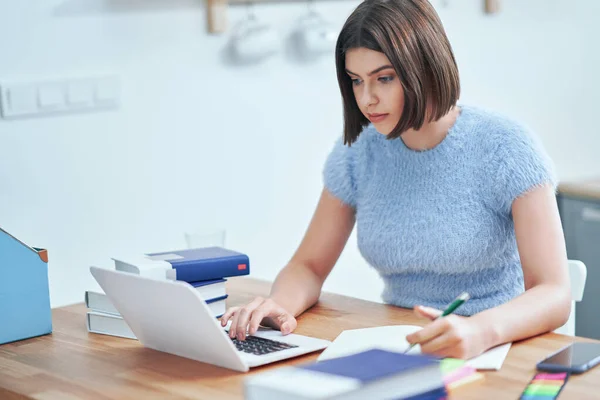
{"type": "Point", "coordinates": [205, 269]}
{"type": "Point", "coordinates": [371, 374]}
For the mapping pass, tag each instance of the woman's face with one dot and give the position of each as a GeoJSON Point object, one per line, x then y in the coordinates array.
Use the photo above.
{"type": "Point", "coordinates": [377, 89]}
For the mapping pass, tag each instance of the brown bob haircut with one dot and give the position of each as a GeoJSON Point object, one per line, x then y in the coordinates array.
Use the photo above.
{"type": "Point", "coordinates": [411, 35]}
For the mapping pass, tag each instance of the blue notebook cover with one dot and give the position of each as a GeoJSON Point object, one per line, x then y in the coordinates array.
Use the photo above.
{"type": "Point", "coordinates": [216, 299]}
{"type": "Point", "coordinates": [375, 373]}
{"type": "Point", "coordinates": [205, 263]}
{"type": "Point", "coordinates": [206, 283]}
{"type": "Point", "coordinates": [436, 394]}
{"type": "Point", "coordinates": [372, 365]}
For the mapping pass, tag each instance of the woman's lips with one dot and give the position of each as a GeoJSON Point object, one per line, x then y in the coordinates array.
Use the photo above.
{"type": "Point", "coordinates": [376, 117]}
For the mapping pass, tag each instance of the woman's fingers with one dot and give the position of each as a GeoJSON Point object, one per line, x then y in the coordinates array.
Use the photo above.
{"type": "Point", "coordinates": [248, 318]}
{"type": "Point", "coordinates": [287, 323]}
{"type": "Point", "coordinates": [440, 345]}
{"type": "Point", "coordinates": [257, 317]}
{"type": "Point", "coordinates": [233, 326]}
{"type": "Point", "coordinates": [279, 317]}
{"type": "Point", "coordinates": [429, 332]}
{"type": "Point", "coordinates": [427, 312]}
{"type": "Point", "coordinates": [244, 315]}
{"type": "Point", "coordinates": [225, 317]}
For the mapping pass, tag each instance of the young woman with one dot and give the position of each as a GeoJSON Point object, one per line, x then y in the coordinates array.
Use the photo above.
{"type": "Point", "coordinates": [446, 197]}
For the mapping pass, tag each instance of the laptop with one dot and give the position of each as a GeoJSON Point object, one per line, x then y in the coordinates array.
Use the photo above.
{"type": "Point", "coordinates": [170, 316]}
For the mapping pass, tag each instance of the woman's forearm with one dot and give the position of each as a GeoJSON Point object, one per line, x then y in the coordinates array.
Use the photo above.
{"type": "Point", "coordinates": [540, 309]}
{"type": "Point", "coordinates": [296, 288]}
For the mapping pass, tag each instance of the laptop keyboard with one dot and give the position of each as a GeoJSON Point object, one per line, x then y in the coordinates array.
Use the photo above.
{"type": "Point", "coordinates": [260, 346]}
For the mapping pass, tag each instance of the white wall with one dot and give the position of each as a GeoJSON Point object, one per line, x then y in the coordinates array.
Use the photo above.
{"type": "Point", "coordinates": [87, 186]}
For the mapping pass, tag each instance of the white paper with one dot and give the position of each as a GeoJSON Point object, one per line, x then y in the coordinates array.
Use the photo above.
{"type": "Point", "coordinates": [491, 359]}
{"type": "Point", "coordinates": [353, 341]}
{"type": "Point", "coordinates": [393, 338]}
{"type": "Point", "coordinates": [165, 257]}
{"type": "Point", "coordinates": [144, 266]}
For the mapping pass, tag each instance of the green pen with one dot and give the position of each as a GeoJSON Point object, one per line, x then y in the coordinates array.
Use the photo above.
{"type": "Point", "coordinates": [459, 301]}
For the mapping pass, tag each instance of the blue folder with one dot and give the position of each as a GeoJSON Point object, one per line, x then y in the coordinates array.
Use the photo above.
{"type": "Point", "coordinates": [24, 292]}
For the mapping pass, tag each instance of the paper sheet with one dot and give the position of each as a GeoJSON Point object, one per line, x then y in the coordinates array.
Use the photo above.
{"type": "Point", "coordinates": [491, 359]}
{"type": "Point", "coordinates": [393, 338]}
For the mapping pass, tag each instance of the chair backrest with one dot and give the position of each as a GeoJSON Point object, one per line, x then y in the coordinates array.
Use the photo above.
{"type": "Point", "coordinates": [578, 275]}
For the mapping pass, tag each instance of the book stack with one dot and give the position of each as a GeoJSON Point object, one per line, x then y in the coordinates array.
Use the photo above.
{"type": "Point", "coordinates": [205, 269]}
{"type": "Point", "coordinates": [371, 374]}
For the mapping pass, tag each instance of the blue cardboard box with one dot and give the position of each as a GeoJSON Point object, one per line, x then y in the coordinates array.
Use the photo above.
{"type": "Point", "coordinates": [24, 291]}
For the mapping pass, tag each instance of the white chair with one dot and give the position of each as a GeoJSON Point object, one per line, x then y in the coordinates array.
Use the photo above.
{"type": "Point", "coordinates": [578, 275]}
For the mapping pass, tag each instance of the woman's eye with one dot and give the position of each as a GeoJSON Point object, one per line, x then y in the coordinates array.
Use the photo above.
{"type": "Point", "coordinates": [386, 79]}
{"type": "Point", "coordinates": [355, 82]}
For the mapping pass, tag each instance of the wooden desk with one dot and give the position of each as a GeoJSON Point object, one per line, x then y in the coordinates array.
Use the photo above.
{"type": "Point", "coordinates": [72, 363]}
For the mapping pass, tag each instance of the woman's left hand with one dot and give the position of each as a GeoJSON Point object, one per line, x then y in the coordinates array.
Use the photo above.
{"type": "Point", "coordinates": [451, 336]}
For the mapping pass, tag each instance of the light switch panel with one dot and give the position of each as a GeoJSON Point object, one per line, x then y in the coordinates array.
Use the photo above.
{"type": "Point", "coordinates": [21, 99]}
{"type": "Point", "coordinates": [80, 93]}
{"type": "Point", "coordinates": [107, 91]}
{"type": "Point", "coordinates": [51, 96]}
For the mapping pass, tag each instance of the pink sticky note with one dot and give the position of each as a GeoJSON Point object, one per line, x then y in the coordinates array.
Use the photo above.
{"type": "Point", "coordinates": [552, 377]}
{"type": "Point", "coordinates": [459, 374]}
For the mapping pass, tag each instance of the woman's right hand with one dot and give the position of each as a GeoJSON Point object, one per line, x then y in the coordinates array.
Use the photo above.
{"type": "Point", "coordinates": [249, 317]}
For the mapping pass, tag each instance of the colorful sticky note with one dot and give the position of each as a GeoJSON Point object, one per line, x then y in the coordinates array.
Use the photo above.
{"type": "Point", "coordinates": [544, 390]}
{"type": "Point", "coordinates": [545, 386]}
{"type": "Point", "coordinates": [547, 382]}
{"type": "Point", "coordinates": [549, 376]}
{"type": "Point", "coordinates": [450, 364]}
{"type": "Point", "coordinates": [463, 381]}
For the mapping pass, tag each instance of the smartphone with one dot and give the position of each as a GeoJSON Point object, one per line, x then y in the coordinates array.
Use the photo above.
{"type": "Point", "coordinates": [575, 358]}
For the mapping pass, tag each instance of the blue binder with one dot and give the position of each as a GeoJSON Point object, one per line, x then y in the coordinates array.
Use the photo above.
{"type": "Point", "coordinates": [24, 292]}
{"type": "Point", "coordinates": [205, 263]}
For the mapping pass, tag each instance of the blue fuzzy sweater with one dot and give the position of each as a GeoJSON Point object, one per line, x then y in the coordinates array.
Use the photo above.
{"type": "Point", "coordinates": [438, 222]}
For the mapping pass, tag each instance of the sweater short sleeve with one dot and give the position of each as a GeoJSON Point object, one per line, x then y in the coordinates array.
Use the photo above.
{"type": "Point", "coordinates": [338, 173]}
{"type": "Point", "coordinates": [522, 164]}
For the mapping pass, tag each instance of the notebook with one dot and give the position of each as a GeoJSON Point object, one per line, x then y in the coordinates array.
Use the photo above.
{"type": "Point", "coordinates": [393, 338]}
{"type": "Point", "coordinates": [373, 374]}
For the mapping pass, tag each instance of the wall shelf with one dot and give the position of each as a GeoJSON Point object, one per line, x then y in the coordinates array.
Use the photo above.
{"type": "Point", "coordinates": [216, 10]}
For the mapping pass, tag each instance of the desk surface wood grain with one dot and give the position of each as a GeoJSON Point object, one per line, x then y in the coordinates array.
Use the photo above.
{"type": "Point", "coordinates": [74, 364]}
